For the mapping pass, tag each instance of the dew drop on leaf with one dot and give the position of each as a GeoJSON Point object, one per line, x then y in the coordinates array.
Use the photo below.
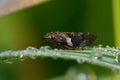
{"type": "Point", "coordinates": [21, 55]}
{"type": "Point", "coordinates": [117, 58]}
{"type": "Point", "coordinates": [80, 61]}
{"type": "Point", "coordinates": [98, 59]}
{"type": "Point", "coordinates": [31, 48]}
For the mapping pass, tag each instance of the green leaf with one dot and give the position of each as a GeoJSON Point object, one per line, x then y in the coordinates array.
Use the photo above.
{"type": "Point", "coordinates": [103, 56]}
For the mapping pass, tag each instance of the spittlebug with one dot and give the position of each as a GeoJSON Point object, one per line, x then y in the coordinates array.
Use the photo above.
{"type": "Point", "coordinates": [70, 40]}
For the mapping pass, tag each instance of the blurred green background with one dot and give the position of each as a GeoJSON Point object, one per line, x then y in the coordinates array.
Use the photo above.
{"type": "Point", "coordinates": [27, 27]}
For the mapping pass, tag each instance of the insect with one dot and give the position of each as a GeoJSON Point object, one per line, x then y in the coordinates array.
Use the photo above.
{"type": "Point", "coordinates": [70, 40]}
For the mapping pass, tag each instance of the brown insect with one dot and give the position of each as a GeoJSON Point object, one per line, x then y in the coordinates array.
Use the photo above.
{"type": "Point", "coordinates": [70, 40]}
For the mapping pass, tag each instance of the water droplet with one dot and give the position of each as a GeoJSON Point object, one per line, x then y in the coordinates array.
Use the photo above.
{"type": "Point", "coordinates": [55, 49]}
{"type": "Point", "coordinates": [21, 55]}
{"type": "Point", "coordinates": [47, 47]}
{"type": "Point", "coordinates": [98, 58]}
{"type": "Point", "coordinates": [117, 58]}
{"type": "Point", "coordinates": [108, 47]}
{"type": "Point", "coordinates": [44, 48]}
{"type": "Point", "coordinates": [100, 45]}
{"type": "Point", "coordinates": [80, 61]}
{"type": "Point", "coordinates": [31, 49]}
